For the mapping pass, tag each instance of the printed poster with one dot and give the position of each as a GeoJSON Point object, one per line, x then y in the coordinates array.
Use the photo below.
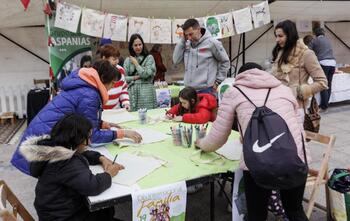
{"type": "Point", "coordinates": [243, 20]}
{"type": "Point", "coordinates": [66, 49]}
{"type": "Point", "coordinates": [161, 31]}
{"type": "Point", "coordinates": [213, 25]}
{"type": "Point", "coordinates": [162, 203]}
{"type": "Point", "coordinates": [177, 31]}
{"type": "Point", "coordinates": [115, 27]}
{"type": "Point", "coordinates": [226, 25]}
{"type": "Point", "coordinates": [261, 14]}
{"type": "Point", "coordinates": [163, 97]}
{"type": "Point", "coordinates": [239, 208]}
{"type": "Point", "coordinates": [92, 22]}
{"type": "Point", "coordinates": [140, 26]}
{"type": "Point", "coordinates": [67, 16]}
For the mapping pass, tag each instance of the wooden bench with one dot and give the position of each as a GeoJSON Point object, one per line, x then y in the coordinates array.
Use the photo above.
{"type": "Point", "coordinates": [8, 116]}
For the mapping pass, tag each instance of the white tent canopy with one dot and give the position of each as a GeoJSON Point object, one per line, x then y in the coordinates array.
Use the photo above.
{"type": "Point", "coordinates": [12, 14]}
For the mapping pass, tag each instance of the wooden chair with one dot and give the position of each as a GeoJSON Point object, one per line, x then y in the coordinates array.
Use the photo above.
{"type": "Point", "coordinates": [319, 177]}
{"type": "Point", "coordinates": [6, 195]}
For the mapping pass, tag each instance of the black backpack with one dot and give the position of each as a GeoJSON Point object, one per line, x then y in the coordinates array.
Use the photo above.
{"type": "Point", "coordinates": [270, 152]}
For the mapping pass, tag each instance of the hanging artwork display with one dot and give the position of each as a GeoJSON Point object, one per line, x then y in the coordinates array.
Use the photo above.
{"type": "Point", "coordinates": [115, 27]}
{"type": "Point", "coordinates": [161, 31]}
{"type": "Point", "coordinates": [67, 16]}
{"type": "Point", "coordinates": [212, 24]}
{"type": "Point", "coordinates": [140, 26]}
{"type": "Point", "coordinates": [261, 14]}
{"type": "Point", "coordinates": [92, 22]}
{"type": "Point", "coordinates": [243, 20]}
{"type": "Point", "coordinates": [226, 25]}
{"type": "Point", "coordinates": [177, 31]}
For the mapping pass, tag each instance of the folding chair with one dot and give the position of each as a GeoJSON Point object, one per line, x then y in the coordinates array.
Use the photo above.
{"type": "Point", "coordinates": [17, 208]}
{"type": "Point", "coordinates": [319, 177]}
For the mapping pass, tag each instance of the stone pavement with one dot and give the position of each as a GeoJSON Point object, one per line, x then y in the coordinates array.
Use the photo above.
{"type": "Point", "coordinates": [335, 121]}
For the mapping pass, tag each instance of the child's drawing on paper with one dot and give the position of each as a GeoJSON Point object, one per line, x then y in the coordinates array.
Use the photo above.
{"type": "Point", "coordinates": [213, 26]}
{"type": "Point", "coordinates": [92, 22]}
{"type": "Point", "coordinates": [160, 31]}
{"type": "Point", "coordinates": [226, 25]}
{"type": "Point", "coordinates": [261, 14]}
{"type": "Point", "coordinates": [177, 30]}
{"type": "Point", "coordinates": [140, 26]}
{"type": "Point", "coordinates": [67, 17]}
{"type": "Point", "coordinates": [115, 27]}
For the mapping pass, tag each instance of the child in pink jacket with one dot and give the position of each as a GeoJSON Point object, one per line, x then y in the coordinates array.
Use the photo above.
{"type": "Point", "coordinates": [255, 83]}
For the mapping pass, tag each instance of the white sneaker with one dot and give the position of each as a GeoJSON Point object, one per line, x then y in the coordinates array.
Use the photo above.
{"type": "Point", "coordinates": [195, 188]}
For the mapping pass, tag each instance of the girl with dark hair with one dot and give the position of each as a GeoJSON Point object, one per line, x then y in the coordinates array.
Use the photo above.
{"type": "Point", "coordinates": [295, 63]}
{"type": "Point", "coordinates": [83, 92]}
{"type": "Point", "coordinates": [140, 69]}
{"type": "Point", "coordinates": [60, 161]}
{"type": "Point", "coordinates": [193, 108]}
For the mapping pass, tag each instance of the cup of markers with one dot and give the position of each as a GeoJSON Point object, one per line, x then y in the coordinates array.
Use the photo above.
{"type": "Point", "coordinates": [176, 135]}
{"type": "Point", "coordinates": [201, 130]}
{"type": "Point", "coordinates": [142, 115]}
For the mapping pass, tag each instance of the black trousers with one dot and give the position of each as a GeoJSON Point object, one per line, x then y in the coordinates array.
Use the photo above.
{"type": "Point", "coordinates": [326, 94]}
{"type": "Point", "coordinates": [257, 200]}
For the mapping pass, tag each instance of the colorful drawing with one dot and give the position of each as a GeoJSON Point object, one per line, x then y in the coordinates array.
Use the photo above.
{"type": "Point", "coordinates": [115, 27]}
{"type": "Point", "coordinates": [261, 14]}
{"type": "Point", "coordinates": [67, 16]}
{"type": "Point", "coordinates": [92, 22]}
{"type": "Point", "coordinates": [140, 26]}
{"type": "Point", "coordinates": [243, 20]}
{"type": "Point", "coordinates": [213, 26]}
{"type": "Point", "coordinates": [161, 31]}
{"type": "Point", "coordinates": [163, 203]}
{"type": "Point", "coordinates": [226, 25]}
{"type": "Point", "coordinates": [177, 31]}
{"type": "Point", "coordinates": [163, 97]}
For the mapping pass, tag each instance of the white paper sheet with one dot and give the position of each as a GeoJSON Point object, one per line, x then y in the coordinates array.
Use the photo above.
{"type": "Point", "coordinates": [261, 14]}
{"type": "Point", "coordinates": [226, 23]}
{"type": "Point", "coordinates": [231, 150]}
{"type": "Point", "coordinates": [148, 136]}
{"type": "Point", "coordinates": [161, 31]}
{"type": "Point", "coordinates": [136, 167]}
{"type": "Point", "coordinates": [92, 22]}
{"type": "Point", "coordinates": [177, 32]}
{"type": "Point", "coordinates": [213, 25]}
{"type": "Point", "coordinates": [67, 16]}
{"type": "Point", "coordinates": [115, 27]}
{"type": "Point", "coordinates": [117, 116]}
{"type": "Point", "coordinates": [243, 20]}
{"type": "Point", "coordinates": [141, 26]}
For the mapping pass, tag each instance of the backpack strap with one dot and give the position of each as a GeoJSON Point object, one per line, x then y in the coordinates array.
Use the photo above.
{"type": "Point", "coordinates": [302, 140]}
{"type": "Point", "coordinates": [244, 95]}
{"type": "Point", "coordinates": [267, 96]}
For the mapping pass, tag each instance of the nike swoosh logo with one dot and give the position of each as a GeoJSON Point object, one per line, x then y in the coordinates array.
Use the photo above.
{"type": "Point", "coordinates": [258, 149]}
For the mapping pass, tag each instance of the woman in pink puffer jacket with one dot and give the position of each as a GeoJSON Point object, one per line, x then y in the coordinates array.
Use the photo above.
{"type": "Point", "coordinates": [255, 83]}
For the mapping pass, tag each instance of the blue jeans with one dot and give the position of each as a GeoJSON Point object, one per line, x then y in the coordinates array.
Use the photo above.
{"type": "Point", "coordinates": [208, 90]}
{"type": "Point", "coordinates": [326, 94]}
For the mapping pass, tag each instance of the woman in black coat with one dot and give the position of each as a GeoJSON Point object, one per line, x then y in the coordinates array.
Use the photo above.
{"type": "Point", "coordinates": [61, 164]}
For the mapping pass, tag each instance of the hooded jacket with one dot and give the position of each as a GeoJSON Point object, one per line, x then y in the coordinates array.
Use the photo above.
{"type": "Point", "coordinates": [254, 83]}
{"type": "Point", "coordinates": [64, 179]}
{"type": "Point", "coordinates": [302, 64]}
{"type": "Point", "coordinates": [82, 93]}
{"type": "Point", "coordinates": [204, 111]}
{"type": "Point", "coordinates": [206, 61]}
